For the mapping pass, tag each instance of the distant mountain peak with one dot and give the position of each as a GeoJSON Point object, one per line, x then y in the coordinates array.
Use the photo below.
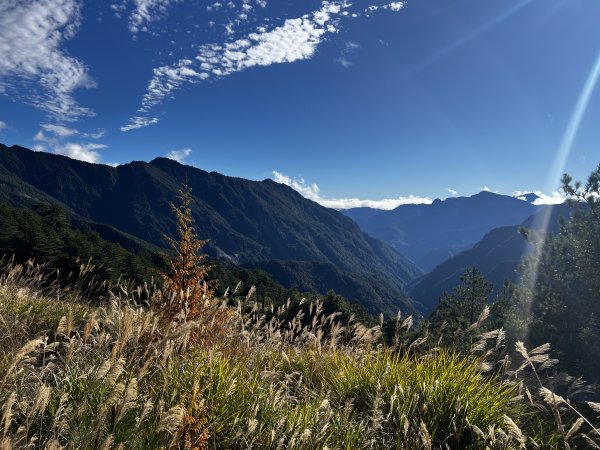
{"type": "Point", "coordinates": [530, 197]}
{"type": "Point", "coordinates": [429, 234]}
{"type": "Point", "coordinates": [486, 193]}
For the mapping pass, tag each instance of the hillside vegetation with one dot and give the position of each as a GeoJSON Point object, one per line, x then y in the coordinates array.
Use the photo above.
{"type": "Point", "coordinates": [245, 222]}
{"type": "Point", "coordinates": [70, 253]}
{"type": "Point", "coordinates": [497, 255]}
{"type": "Point", "coordinates": [558, 297]}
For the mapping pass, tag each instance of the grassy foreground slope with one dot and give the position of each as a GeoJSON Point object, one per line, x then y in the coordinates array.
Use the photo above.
{"type": "Point", "coordinates": [76, 376]}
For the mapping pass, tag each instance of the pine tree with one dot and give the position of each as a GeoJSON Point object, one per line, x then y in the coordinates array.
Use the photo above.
{"type": "Point", "coordinates": [458, 311]}
{"type": "Point", "coordinates": [186, 281]}
{"type": "Point", "coordinates": [564, 284]}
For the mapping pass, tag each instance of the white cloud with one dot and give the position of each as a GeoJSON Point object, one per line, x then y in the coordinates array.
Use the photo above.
{"type": "Point", "coordinates": [82, 152]}
{"type": "Point", "coordinates": [180, 156]}
{"type": "Point", "coordinates": [40, 136]}
{"type": "Point", "coordinates": [31, 36]}
{"type": "Point", "coordinates": [2, 125]}
{"type": "Point", "coordinates": [98, 134]}
{"type": "Point", "coordinates": [555, 198]}
{"type": "Point", "coordinates": [118, 9]}
{"type": "Point", "coordinates": [295, 40]}
{"type": "Point", "coordinates": [452, 191]}
{"type": "Point", "coordinates": [344, 62]}
{"type": "Point", "coordinates": [146, 12]}
{"type": "Point", "coordinates": [59, 130]}
{"type": "Point", "coordinates": [312, 192]}
{"type": "Point", "coordinates": [394, 6]}
{"type": "Point", "coordinates": [139, 122]}
{"type": "Point", "coordinates": [351, 46]}
{"type": "Point", "coordinates": [55, 141]}
{"type": "Point", "coordinates": [348, 49]}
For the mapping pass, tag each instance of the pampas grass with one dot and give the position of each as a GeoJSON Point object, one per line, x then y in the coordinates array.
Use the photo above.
{"type": "Point", "coordinates": [81, 376]}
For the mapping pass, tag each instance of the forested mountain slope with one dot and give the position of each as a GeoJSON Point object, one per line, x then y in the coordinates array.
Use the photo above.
{"type": "Point", "coordinates": [247, 222]}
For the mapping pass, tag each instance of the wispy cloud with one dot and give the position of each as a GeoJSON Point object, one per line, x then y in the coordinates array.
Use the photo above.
{"type": "Point", "coordinates": [97, 134]}
{"type": "Point", "coordinates": [295, 40]}
{"type": "Point", "coordinates": [63, 131]}
{"type": "Point", "coordinates": [139, 122]}
{"type": "Point", "coordinates": [180, 156]}
{"type": "Point", "coordinates": [312, 192]}
{"type": "Point", "coordinates": [2, 125]}
{"type": "Point", "coordinates": [32, 34]}
{"type": "Point", "coordinates": [59, 130]}
{"type": "Point", "coordinates": [82, 152]}
{"type": "Point", "coordinates": [146, 12]}
{"type": "Point", "coordinates": [344, 60]}
{"type": "Point", "coordinates": [451, 191]}
{"type": "Point", "coordinates": [394, 6]}
{"type": "Point", "coordinates": [55, 141]}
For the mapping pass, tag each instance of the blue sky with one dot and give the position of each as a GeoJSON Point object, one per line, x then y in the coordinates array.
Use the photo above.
{"type": "Point", "coordinates": [346, 102]}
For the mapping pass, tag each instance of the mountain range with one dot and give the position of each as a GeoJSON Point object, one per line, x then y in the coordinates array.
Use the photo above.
{"type": "Point", "coordinates": [429, 234]}
{"type": "Point", "coordinates": [386, 260]}
{"type": "Point", "coordinates": [497, 255]}
{"type": "Point", "coordinates": [259, 224]}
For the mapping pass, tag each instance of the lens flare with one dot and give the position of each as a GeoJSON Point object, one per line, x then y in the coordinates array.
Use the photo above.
{"type": "Point", "coordinates": [562, 154]}
{"type": "Point", "coordinates": [573, 127]}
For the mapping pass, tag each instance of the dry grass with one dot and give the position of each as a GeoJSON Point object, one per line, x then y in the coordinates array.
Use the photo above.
{"type": "Point", "coordinates": [76, 376]}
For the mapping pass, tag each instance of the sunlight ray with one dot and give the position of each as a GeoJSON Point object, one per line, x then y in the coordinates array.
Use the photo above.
{"type": "Point", "coordinates": [565, 148]}
{"type": "Point", "coordinates": [572, 129]}
{"type": "Point", "coordinates": [471, 35]}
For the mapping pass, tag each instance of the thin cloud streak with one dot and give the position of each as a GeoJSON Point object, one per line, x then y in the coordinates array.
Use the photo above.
{"type": "Point", "coordinates": [137, 122]}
